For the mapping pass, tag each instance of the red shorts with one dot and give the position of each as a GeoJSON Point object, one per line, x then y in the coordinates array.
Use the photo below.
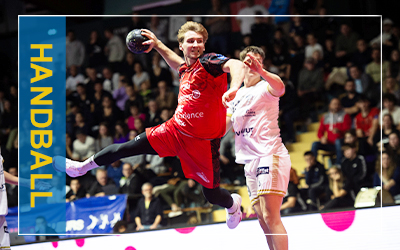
{"type": "Point", "coordinates": [199, 157]}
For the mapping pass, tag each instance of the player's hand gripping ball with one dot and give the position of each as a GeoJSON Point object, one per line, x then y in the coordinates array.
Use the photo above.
{"type": "Point", "coordinates": [134, 41]}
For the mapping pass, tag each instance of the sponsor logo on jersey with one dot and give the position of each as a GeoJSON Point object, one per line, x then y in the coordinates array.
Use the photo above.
{"type": "Point", "coordinates": [245, 132]}
{"type": "Point", "coordinates": [262, 170]}
{"type": "Point", "coordinates": [221, 57]}
{"type": "Point", "coordinates": [190, 115]}
{"type": "Point", "coordinates": [5, 229]}
{"type": "Point", "coordinates": [194, 95]}
{"type": "Point", "coordinates": [250, 112]}
{"type": "Point", "coordinates": [202, 176]}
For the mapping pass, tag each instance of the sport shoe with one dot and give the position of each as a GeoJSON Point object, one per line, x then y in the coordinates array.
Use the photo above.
{"type": "Point", "coordinates": [233, 219]}
{"type": "Point", "coordinates": [72, 168]}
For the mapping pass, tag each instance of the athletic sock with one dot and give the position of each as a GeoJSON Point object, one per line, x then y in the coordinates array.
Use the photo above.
{"type": "Point", "coordinates": [89, 164]}
{"type": "Point", "coordinates": [233, 208]}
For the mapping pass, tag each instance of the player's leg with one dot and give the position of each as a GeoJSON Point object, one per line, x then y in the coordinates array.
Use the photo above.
{"type": "Point", "coordinates": [137, 146]}
{"type": "Point", "coordinates": [263, 225]}
{"type": "Point", "coordinates": [270, 208]}
{"type": "Point", "coordinates": [4, 235]}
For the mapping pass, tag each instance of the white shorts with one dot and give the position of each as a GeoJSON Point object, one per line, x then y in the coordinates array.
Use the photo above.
{"type": "Point", "coordinates": [4, 236]}
{"type": "Point", "coordinates": [268, 175]}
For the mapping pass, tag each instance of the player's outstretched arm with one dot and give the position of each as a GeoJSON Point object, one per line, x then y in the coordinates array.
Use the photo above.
{"type": "Point", "coordinates": [237, 70]}
{"type": "Point", "coordinates": [173, 60]}
{"type": "Point", "coordinates": [276, 86]}
{"type": "Point", "coordinates": [10, 179]}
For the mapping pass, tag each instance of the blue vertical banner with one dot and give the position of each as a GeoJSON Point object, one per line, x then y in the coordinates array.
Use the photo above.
{"type": "Point", "coordinates": [42, 107]}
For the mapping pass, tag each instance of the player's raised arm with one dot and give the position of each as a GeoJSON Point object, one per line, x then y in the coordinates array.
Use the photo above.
{"type": "Point", "coordinates": [173, 60]}
{"type": "Point", "coordinates": [276, 86]}
{"type": "Point", "coordinates": [237, 70]}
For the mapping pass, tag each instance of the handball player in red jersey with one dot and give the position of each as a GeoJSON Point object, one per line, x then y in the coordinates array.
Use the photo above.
{"type": "Point", "coordinates": [194, 132]}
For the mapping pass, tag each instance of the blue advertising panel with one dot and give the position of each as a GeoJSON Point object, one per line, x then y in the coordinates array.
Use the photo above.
{"type": "Point", "coordinates": [42, 105]}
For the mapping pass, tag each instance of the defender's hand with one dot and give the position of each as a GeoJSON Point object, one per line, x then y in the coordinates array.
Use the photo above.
{"type": "Point", "coordinates": [229, 96]}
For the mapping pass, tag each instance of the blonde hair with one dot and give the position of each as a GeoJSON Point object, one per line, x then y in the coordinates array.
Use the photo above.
{"type": "Point", "coordinates": [193, 26]}
{"type": "Point", "coordinates": [341, 180]}
{"type": "Point", "coordinates": [254, 50]}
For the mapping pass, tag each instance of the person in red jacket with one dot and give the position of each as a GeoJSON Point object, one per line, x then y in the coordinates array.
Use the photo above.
{"type": "Point", "coordinates": [331, 130]}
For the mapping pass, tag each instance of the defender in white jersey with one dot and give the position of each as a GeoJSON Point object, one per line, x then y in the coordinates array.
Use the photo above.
{"type": "Point", "coordinates": [254, 115]}
{"type": "Point", "coordinates": [4, 178]}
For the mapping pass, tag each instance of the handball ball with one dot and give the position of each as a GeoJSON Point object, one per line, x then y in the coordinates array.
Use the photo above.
{"type": "Point", "coordinates": [134, 41]}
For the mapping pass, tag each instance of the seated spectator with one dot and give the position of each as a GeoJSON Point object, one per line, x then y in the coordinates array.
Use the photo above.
{"type": "Point", "coordinates": [83, 146]}
{"type": "Point", "coordinates": [390, 107]}
{"type": "Point", "coordinates": [111, 80]}
{"type": "Point", "coordinates": [127, 67]}
{"type": "Point", "coordinates": [291, 201]}
{"type": "Point", "coordinates": [73, 79]}
{"type": "Point", "coordinates": [98, 94]}
{"type": "Point", "coordinates": [394, 65]}
{"type": "Point", "coordinates": [330, 56]}
{"type": "Point", "coordinates": [288, 109]}
{"type": "Point", "coordinates": [316, 179]}
{"type": "Point", "coordinates": [81, 124]}
{"type": "Point", "coordinates": [81, 98]}
{"type": "Point", "coordinates": [281, 59]}
{"type": "Point", "coordinates": [393, 147]}
{"type": "Point", "coordinates": [261, 30]}
{"type": "Point", "coordinates": [387, 128]}
{"type": "Point", "coordinates": [362, 56]}
{"type": "Point", "coordinates": [310, 84]}
{"type": "Point", "coordinates": [148, 213]}
{"type": "Point", "coordinates": [103, 185]}
{"type": "Point", "coordinates": [297, 58]}
{"type": "Point", "coordinates": [159, 73]}
{"type": "Point", "coordinates": [363, 81]}
{"type": "Point", "coordinates": [299, 27]}
{"type": "Point", "coordinates": [114, 171]}
{"type": "Point", "coordinates": [120, 227]}
{"type": "Point", "coordinates": [334, 123]}
{"type": "Point", "coordinates": [153, 115]}
{"type": "Point", "coordinates": [340, 191]}
{"type": "Point", "coordinates": [133, 99]}
{"type": "Point", "coordinates": [76, 192]}
{"type": "Point", "coordinates": [192, 193]}
{"type": "Point", "coordinates": [139, 125]}
{"type": "Point", "coordinates": [109, 113]}
{"type": "Point", "coordinates": [374, 68]}
{"type": "Point", "coordinates": [95, 50]}
{"type": "Point", "coordinates": [135, 114]}
{"type": "Point", "coordinates": [367, 120]}
{"type": "Point", "coordinates": [119, 94]}
{"type": "Point", "coordinates": [354, 168]}
{"type": "Point", "coordinates": [389, 174]}
{"type": "Point", "coordinates": [121, 132]}
{"type": "Point", "coordinates": [165, 98]}
{"type": "Point", "coordinates": [130, 183]}
{"type": "Point", "coordinates": [92, 78]}
{"type": "Point", "coordinates": [114, 50]}
{"type": "Point", "coordinates": [392, 87]}
{"type": "Point", "coordinates": [227, 157]}
{"type": "Point", "coordinates": [346, 44]}
{"type": "Point", "coordinates": [42, 228]}
{"type": "Point", "coordinates": [245, 22]}
{"type": "Point", "coordinates": [145, 93]}
{"type": "Point", "coordinates": [317, 56]}
{"type": "Point", "coordinates": [140, 76]}
{"type": "Point", "coordinates": [350, 98]}
{"type": "Point", "coordinates": [104, 138]}
{"type": "Point", "coordinates": [313, 46]}
{"type": "Point", "coordinates": [165, 114]}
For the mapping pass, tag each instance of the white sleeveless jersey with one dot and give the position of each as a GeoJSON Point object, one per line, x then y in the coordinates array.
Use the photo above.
{"type": "Point", "coordinates": [3, 193]}
{"type": "Point", "coordinates": [254, 114]}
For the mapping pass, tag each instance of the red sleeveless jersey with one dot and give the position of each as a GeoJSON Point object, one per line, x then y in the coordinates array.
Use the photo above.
{"type": "Point", "coordinates": [200, 112]}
